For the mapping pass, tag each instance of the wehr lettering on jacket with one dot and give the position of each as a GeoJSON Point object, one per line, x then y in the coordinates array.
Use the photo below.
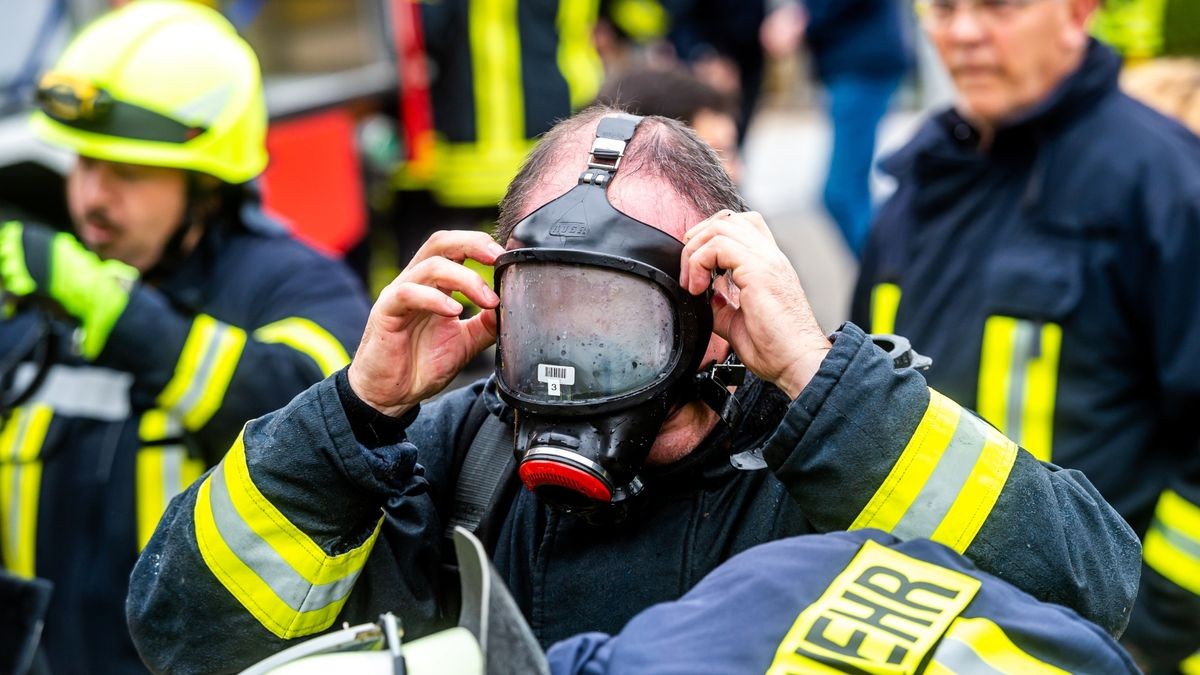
{"type": "Point", "coordinates": [884, 609]}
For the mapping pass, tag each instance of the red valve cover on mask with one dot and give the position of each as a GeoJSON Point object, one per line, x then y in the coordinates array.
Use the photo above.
{"type": "Point", "coordinates": [536, 473]}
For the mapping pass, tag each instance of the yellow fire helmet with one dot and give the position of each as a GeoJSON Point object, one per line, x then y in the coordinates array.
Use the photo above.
{"type": "Point", "coordinates": [159, 83]}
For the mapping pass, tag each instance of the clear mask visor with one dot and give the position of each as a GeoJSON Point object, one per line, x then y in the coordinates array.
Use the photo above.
{"type": "Point", "coordinates": [573, 333]}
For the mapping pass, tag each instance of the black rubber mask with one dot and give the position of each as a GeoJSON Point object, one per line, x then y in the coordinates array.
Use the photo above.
{"type": "Point", "coordinates": [597, 340]}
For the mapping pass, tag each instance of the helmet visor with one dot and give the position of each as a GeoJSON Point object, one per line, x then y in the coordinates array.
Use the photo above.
{"type": "Point", "coordinates": [572, 333]}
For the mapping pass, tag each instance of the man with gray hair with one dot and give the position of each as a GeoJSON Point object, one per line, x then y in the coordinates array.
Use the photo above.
{"type": "Point", "coordinates": [648, 454]}
{"type": "Point", "coordinates": [1041, 247]}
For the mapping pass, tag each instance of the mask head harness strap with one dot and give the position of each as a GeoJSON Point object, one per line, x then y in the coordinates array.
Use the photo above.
{"type": "Point", "coordinates": [612, 135]}
{"type": "Point", "coordinates": [711, 384]}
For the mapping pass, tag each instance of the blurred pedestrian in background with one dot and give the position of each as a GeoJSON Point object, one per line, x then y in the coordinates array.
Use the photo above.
{"type": "Point", "coordinates": [861, 51]}
{"type": "Point", "coordinates": [677, 94]}
{"type": "Point", "coordinates": [182, 311]}
{"type": "Point", "coordinates": [719, 40]}
{"type": "Point", "coordinates": [1042, 248]}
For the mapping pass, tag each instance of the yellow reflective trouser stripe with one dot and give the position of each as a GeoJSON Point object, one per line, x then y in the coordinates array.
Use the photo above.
{"type": "Point", "coordinates": [20, 482]}
{"type": "Point", "coordinates": [885, 301]}
{"type": "Point", "coordinates": [577, 58]}
{"type": "Point", "coordinates": [1172, 545]}
{"type": "Point", "coordinates": [980, 646]}
{"type": "Point", "coordinates": [279, 574]}
{"type": "Point", "coordinates": [477, 174]}
{"type": "Point", "coordinates": [946, 481]}
{"type": "Point", "coordinates": [307, 338]}
{"type": "Point", "coordinates": [162, 470]}
{"type": "Point", "coordinates": [1018, 380]}
{"type": "Point", "coordinates": [202, 375]}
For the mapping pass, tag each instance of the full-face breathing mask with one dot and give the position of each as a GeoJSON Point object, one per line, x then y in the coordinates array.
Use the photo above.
{"type": "Point", "coordinates": [597, 341]}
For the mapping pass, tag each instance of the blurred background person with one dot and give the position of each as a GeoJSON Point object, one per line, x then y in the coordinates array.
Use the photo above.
{"type": "Point", "coordinates": [861, 50]}
{"type": "Point", "coordinates": [1041, 248]}
{"type": "Point", "coordinates": [719, 42]}
{"type": "Point", "coordinates": [675, 93]}
{"type": "Point", "coordinates": [179, 310]}
{"type": "Point", "coordinates": [496, 76]}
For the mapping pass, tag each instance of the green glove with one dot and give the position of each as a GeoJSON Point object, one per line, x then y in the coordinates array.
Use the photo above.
{"type": "Point", "coordinates": [35, 260]}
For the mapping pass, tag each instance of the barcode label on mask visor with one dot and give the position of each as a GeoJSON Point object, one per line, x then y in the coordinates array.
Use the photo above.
{"type": "Point", "coordinates": [555, 377]}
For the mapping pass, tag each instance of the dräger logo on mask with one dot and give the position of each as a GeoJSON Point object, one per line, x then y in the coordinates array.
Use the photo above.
{"type": "Point", "coordinates": [563, 229]}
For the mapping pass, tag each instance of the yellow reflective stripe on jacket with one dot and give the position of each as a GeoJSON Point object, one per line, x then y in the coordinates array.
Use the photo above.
{"type": "Point", "coordinates": [642, 20]}
{"type": "Point", "coordinates": [1132, 27]}
{"type": "Point", "coordinates": [882, 614]}
{"type": "Point", "coordinates": [1018, 380]}
{"type": "Point", "coordinates": [577, 57]}
{"type": "Point", "coordinates": [161, 470]}
{"type": "Point", "coordinates": [885, 302]}
{"type": "Point", "coordinates": [279, 574]}
{"type": "Point", "coordinates": [1172, 545]}
{"type": "Point", "coordinates": [1191, 665]}
{"type": "Point", "coordinates": [21, 440]}
{"type": "Point", "coordinates": [946, 481]}
{"type": "Point", "coordinates": [308, 338]}
{"type": "Point", "coordinates": [202, 374]}
{"type": "Point", "coordinates": [976, 645]}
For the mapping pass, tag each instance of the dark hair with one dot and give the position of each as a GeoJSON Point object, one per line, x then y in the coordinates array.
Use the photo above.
{"type": "Point", "coordinates": [673, 93]}
{"type": "Point", "coordinates": [662, 147]}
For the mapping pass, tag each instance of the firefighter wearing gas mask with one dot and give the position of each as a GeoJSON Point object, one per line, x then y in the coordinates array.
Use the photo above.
{"type": "Point", "coordinates": [597, 341]}
{"type": "Point", "coordinates": [604, 401]}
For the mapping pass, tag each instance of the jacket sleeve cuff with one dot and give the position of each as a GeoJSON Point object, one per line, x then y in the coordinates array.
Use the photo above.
{"type": "Point", "coordinates": [372, 429]}
{"type": "Point", "coordinates": [847, 343]}
{"type": "Point", "coordinates": [846, 429]}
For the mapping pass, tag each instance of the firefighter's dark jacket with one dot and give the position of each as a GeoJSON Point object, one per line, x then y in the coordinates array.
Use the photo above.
{"type": "Point", "coordinates": [236, 330]}
{"type": "Point", "coordinates": [301, 527]}
{"type": "Point", "coordinates": [797, 605]}
{"type": "Point", "coordinates": [1053, 280]}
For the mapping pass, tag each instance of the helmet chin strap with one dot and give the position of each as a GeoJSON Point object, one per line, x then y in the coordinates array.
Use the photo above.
{"type": "Point", "coordinates": [197, 214]}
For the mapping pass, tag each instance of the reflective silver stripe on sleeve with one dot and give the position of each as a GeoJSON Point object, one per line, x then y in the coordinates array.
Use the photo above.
{"type": "Point", "coordinates": [936, 497]}
{"type": "Point", "coordinates": [80, 391]}
{"type": "Point", "coordinates": [258, 555]}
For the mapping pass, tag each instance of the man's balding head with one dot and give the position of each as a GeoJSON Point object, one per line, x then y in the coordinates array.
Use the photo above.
{"type": "Point", "coordinates": [668, 177]}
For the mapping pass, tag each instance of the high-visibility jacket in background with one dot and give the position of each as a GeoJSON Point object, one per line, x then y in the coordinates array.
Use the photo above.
{"type": "Point", "coordinates": [1053, 281]}
{"type": "Point", "coordinates": [503, 72]}
{"type": "Point", "coordinates": [88, 465]}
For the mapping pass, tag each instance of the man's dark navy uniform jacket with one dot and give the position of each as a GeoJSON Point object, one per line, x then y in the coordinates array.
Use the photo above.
{"type": "Point", "coordinates": [1055, 280]}
{"type": "Point", "coordinates": [303, 525]}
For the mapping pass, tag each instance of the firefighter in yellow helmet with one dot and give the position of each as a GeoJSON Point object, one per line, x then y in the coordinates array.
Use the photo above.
{"type": "Point", "coordinates": [180, 310]}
